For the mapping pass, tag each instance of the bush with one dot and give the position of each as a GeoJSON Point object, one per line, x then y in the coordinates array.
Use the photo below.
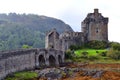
{"type": "Point", "coordinates": [93, 57]}
{"type": "Point", "coordinates": [26, 46]}
{"type": "Point", "coordinates": [75, 47]}
{"type": "Point", "coordinates": [115, 54]}
{"type": "Point", "coordinates": [116, 46]}
{"type": "Point", "coordinates": [104, 54]}
{"type": "Point", "coordinates": [69, 54]}
{"type": "Point", "coordinates": [97, 44]}
{"type": "Point", "coordinates": [84, 54]}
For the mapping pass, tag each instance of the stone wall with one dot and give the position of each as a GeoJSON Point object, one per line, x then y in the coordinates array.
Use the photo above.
{"type": "Point", "coordinates": [13, 61]}
{"type": "Point", "coordinates": [16, 61]}
{"type": "Point", "coordinates": [71, 38]}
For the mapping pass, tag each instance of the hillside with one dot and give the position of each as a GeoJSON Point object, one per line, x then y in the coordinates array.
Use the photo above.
{"type": "Point", "coordinates": [19, 29]}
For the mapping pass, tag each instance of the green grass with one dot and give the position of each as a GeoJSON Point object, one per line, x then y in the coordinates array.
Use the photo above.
{"type": "Point", "coordinates": [26, 75]}
{"type": "Point", "coordinates": [93, 56]}
{"type": "Point", "coordinates": [91, 52]}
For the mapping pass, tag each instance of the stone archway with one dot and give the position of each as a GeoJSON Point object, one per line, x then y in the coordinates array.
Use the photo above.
{"type": "Point", "coordinates": [59, 59]}
{"type": "Point", "coordinates": [52, 60]}
{"type": "Point", "coordinates": [41, 61]}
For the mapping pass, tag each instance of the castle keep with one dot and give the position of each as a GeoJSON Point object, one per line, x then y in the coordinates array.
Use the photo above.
{"type": "Point", "coordinates": [94, 27]}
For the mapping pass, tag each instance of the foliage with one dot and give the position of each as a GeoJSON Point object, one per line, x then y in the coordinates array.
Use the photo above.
{"type": "Point", "coordinates": [115, 54]}
{"type": "Point", "coordinates": [115, 45]}
{"type": "Point", "coordinates": [26, 46]}
{"type": "Point", "coordinates": [84, 54]}
{"type": "Point", "coordinates": [22, 76]}
{"type": "Point", "coordinates": [114, 51]}
{"type": "Point", "coordinates": [69, 54]}
{"type": "Point", "coordinates": [97, 44]}
{"type": "Point", "coordinates": [104, 53]}
{"type": "Point", "coordinates": [75, 47]}
{"type": "Point", "coordinates": [19, 29]}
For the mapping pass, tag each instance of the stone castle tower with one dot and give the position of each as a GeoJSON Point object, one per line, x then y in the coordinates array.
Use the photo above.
{"type": "Point", "coordinates": [95, 27]}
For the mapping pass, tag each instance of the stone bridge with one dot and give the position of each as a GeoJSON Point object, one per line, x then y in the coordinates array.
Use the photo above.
{"type": "Point", "coordinates": [13, 61]}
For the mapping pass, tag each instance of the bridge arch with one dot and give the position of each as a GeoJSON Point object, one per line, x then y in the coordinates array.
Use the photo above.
{"type": "Point", "coordinates": [41, 60]}
{"type": "Point", "coordinates": [52, 60]}
{"type": "Point", "coordinates": [59, 59]}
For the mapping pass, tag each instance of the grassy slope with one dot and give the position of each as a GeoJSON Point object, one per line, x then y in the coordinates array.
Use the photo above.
{"type": "Point", "coordinates": [90, 51]}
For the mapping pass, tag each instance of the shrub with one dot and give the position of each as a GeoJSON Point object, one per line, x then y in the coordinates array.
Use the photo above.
{"type": "Point", "coordinates": [26, 46]}
{"type": "Point", "coordinates": [104, 54]}
{"type": "Point", "coordinates": [69, 54]}
{"type": "Point", "coordinates": [84, 54]}
{"type": "Point", "coordinates": [115, 54]}
{"type": "Point", "coordinates": [93, 57]}
{"type": "Point", "coordinates": [75, 47]}
{"type": "Point", "coordinates": [97, 51]}
{"type": "Point", "coordinates": [97, 44]}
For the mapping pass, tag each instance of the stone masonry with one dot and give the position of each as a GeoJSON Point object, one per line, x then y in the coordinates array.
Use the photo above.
{"type": "Point", "coordinates": [13, 61]}
{"type": "Point", "coordinates": [94, 27]}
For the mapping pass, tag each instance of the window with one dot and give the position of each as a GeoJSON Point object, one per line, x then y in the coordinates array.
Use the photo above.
{"type": "Point", "coordinates": [97, 30]}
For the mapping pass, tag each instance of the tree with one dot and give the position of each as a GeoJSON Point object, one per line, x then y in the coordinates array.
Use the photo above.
{"type": "Point", "coordinates": [26, 46]}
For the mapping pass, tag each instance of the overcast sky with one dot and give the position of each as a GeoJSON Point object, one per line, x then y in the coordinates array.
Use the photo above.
{"type": "Point", "coordinates": [72, 12]}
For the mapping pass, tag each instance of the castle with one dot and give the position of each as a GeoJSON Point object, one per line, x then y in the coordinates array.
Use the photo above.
{"type": "Point", "coordinates": [94, 27]}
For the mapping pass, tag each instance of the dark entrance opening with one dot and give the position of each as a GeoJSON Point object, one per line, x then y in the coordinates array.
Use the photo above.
{"type": "Point", "coordinates": [51, 60]}
{"type": "Point", "coordinates": [59, 59]}
{"type": "Point", "coordinates": [41, 61]}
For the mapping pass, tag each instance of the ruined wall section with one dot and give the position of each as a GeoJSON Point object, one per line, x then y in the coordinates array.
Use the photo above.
{"type": "Point", "coordinates": [95, 27]}
{"type": "Point", "coordinates": [52, 40]}
{"type": "Point", "coordinates": [71, 38]}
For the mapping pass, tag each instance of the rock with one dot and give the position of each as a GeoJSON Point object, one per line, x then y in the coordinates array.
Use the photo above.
{"type": "Point", "coordinates": [58, 73]}
{"type": "Point", "coordinates": [98, 74]}
{"type": "Point", "coordinates": [53, 75]}
{"type": "Point", "coordinates": [93, 73]}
